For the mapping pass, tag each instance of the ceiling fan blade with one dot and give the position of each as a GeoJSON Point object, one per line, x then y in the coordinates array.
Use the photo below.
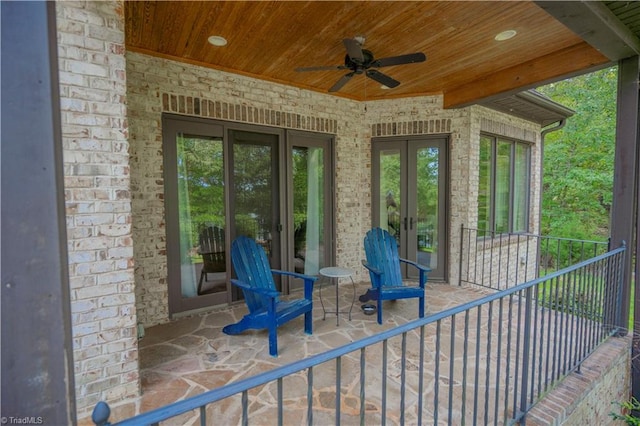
{"type": "Point", "coordinates": [354, 49]}
{"type": "Point", "coordinates": [411, 58]}
{"type": "Point", "coordinates": [345, 78]}
{"type": "Point", "coordinates": [321, 68]}
{"type": "Point", "coordinates": [382, 78]}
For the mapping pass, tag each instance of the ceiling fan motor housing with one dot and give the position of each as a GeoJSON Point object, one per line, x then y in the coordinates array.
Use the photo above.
{"type": "Point", "coordinates": [356, 65]}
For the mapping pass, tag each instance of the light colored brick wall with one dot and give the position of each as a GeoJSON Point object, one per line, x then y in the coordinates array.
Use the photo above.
{"type": "Point", "coordinates": [156, 85]}
{"type": "Point", "coordinates": [98, 200]}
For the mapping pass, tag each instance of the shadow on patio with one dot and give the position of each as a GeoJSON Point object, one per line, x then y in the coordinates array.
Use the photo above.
{"type": "Point", "coordinates": [192, 355]}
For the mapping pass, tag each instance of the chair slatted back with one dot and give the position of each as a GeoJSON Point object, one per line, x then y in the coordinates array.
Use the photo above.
{"type": "Point", "coordinates": [382, 253]}
{"type": "Point", "coordinates": [212, 249]}
{"type": "Point", "coordinates": [252, 267]}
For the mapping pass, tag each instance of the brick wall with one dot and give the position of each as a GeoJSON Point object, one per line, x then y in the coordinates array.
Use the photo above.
{"type": "Point", "coordinates": [589, 396]}
{"type": "Point", "coordinates": [98, 204]}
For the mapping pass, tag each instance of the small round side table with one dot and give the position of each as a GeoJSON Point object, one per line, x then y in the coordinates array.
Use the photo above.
{"type": "Point", "coordinates": [334, 273]}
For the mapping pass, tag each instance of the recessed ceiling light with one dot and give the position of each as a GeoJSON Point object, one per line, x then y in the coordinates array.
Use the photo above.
{"type": "Point", "coordinates": [506, 35]}
{"type": "Point", "coordinates": [217, 41]}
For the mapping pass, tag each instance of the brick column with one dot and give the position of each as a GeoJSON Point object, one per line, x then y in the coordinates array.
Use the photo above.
{"type": "Point", "coordinates": [98, 201]}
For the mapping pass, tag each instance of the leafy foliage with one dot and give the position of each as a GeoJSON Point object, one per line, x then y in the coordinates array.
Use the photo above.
{"type": "Point", "coordinates": [628, 407]}
{"type": "Point", "coordinates": [578, 160]}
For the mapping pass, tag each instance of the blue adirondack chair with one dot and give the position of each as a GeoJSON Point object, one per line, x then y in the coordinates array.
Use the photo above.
{"type": "Point", "coordinates": [383, 264]}
{"type": "Point", "coordinates": [266, 310]}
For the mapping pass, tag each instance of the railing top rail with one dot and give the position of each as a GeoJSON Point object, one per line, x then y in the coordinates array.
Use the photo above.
{"type": "Point", "coordinates": [234, 388]}
{"type": "Point", "coordinates": [528, 234]}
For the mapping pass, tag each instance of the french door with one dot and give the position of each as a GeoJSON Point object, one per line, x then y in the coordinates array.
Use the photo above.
{"type": "Point", "coordinates": [409, 198]}
{"type": "Point", "coordinates": [223, 180]}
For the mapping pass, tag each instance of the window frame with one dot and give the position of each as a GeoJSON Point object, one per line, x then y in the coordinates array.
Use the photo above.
{"type": "Point", "coordinates": [523, 181]}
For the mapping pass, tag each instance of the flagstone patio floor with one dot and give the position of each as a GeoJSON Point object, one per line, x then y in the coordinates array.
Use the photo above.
{"type": "Point", "coordinates": [192, 355]}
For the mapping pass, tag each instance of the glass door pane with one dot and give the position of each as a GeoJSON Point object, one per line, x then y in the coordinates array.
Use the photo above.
{"type": "Point", "coordinates": [200, 206]}
{"type": "Point", "coordinates": [390, 193]}
{"type": "Point", "coordinates": [308, 209]}
{"type": "Point", "coordinates": [426, 224]}
{"type": "Point", "coordinates": [254, 195]}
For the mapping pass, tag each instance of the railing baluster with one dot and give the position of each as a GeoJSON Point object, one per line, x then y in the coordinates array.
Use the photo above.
{"type": "Point", "coordinates": [436, 376]}
{"type": "Point", "coordinates": [245, 406]}
{"type": "Point", "coordinates": [526, 349]}
{"type": "Point", "coordinates": [403, 377]}
{"type": "Point", "coordinates": [508, 358]}
{"type": "Point", "coordinates": [362, 384]}
{"type": "Point", "coordinates": [465, 353]}
{"type": "Point", "coordinates": [203, 415]}
{"type": "Point", "coordinates": [421, 376]}
{"type": "Point", "coordinates": [384, 382]}
{"type": "Point", "coordinates": [280, 417]}
{"type": "Point", "coordinates": [452, 352]}
{"type": "Point", "coordinates": [310, 395]}
{"type": "Point", "coordinates": [338, 388]}
{"type": "Point", "coordinates": [496, 414]}
{"type": "Point", "coordinates": [488, 365]}
{"type": "Point", "coordinates": [477, 364]}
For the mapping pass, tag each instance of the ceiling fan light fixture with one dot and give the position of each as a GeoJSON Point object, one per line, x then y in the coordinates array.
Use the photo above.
{"type": "Point", "coordinates": [383, 87]}
{"type": "Point", "coordinates": [217, 41]}
{"type": "Point", "coordinates": [505, 35]}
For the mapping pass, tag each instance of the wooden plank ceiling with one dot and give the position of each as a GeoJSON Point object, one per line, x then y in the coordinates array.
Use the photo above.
{"type": "Point", "coordinates": [269, 39]}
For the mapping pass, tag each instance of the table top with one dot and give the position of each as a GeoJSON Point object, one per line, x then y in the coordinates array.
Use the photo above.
{"type": "Point", "coordinates": [336, 272]}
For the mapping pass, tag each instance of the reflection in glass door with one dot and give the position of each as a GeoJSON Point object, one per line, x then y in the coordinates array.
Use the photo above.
{"type": "Point", "coordinates": [201, 215]}
{"type": "Point", "coordinates": [254, 204]}
{"type": "Point", "coordinates": [311, 203]}
{"type": "Point", "coordinates": [409, 193]}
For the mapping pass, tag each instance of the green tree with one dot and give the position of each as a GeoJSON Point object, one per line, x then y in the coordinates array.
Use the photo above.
{"type": "Point", "coordinates": [578, 160]}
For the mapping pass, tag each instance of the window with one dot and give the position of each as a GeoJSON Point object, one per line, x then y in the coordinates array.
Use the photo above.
{"type": "Point", "coordinates": [503, 191]}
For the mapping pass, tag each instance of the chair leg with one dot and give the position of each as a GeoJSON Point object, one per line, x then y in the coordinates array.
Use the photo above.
{"type": "Point", "coordinates": [421, 307]}
{"type": "Point", "coordinates": [273, 340]}
{"type": "Point", "coordinates": [380, 311]}
{"type": "Point", "coordinates": [308, 322]}
{"type": "Point", "coordinates": [202, 275]}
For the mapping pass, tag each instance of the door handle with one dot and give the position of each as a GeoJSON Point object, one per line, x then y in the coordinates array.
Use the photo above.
{"type": "Point", "coordinates": [411, 223]}
{"type": "Point", "coordinates": [405, 223]}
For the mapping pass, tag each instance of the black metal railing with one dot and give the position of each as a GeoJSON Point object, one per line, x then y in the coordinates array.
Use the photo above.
{"type": "Point", "coordinates": [500, 261]}
{"type": "Point", "coordinates": [488, 361]}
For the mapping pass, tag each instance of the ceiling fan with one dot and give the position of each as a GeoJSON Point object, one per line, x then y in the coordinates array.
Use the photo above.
{"type": "Point", "coordinates": [361, 61]}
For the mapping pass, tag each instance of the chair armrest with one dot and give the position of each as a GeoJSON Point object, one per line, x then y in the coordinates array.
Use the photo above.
{"type": "Point", "coordinates": [308, 281]}
{"type": "Point", "coordinates": [258, 290]}
{"type": "Point", "coordinates": [417, 265]}
{"type": "Point", "coordinates": [371, 268]}
{"type": "Point", "coordinates": [295, 275]}
{"type": "Point", "coordinates": [422, 269]}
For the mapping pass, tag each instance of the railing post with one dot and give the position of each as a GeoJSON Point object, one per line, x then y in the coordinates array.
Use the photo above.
{"type": "Point", "coordinates": [525, 352]}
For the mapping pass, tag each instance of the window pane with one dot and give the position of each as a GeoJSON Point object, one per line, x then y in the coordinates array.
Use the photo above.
{"type": "Point", "coordinates": [503, 179]}
{"type": "Point", "coordinates": [484, 186]}
{"type": "Point", "coordinates": [521, 188]}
